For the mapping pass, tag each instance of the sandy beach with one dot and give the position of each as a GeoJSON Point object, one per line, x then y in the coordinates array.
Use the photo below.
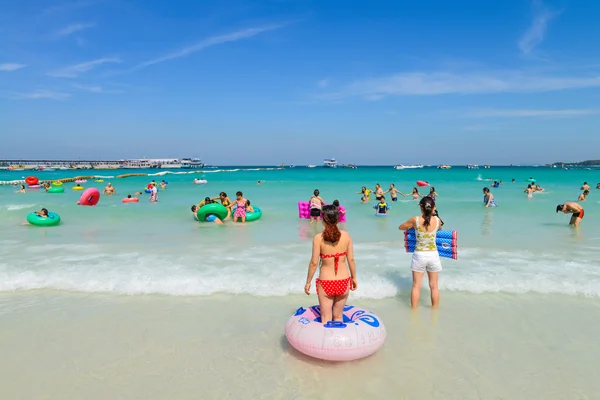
{"type": "Point", "coordinates": [72, 346]}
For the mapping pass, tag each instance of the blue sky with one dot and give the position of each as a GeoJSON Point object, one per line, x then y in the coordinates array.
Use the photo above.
{"type": "Point", "coordinates": [265, 82]}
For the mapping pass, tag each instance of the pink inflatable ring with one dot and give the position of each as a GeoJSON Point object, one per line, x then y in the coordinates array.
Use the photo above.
{"type": "Point", "coordinates": [89, 197]}
{"type": "Point", "coordinates": [360, 334]}
{"type": "Point", "coordinates": [304, 211]}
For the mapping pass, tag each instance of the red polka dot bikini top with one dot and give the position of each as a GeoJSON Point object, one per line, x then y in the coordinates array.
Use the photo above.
{"type": "Point", "coordinates": [336, 259]}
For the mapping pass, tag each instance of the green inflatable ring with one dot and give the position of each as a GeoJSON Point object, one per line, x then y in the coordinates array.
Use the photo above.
{"type": "Point", "coordinates": [57, 183]}
{"type": "Point", "coordinates": [531, 180]}
{"type": "Point", "coordinates": [250, 216]}
{"type": "Point", "coordinates": [34, 219]}
{"type": "Point", "coordinates": [56, 189]}
{"type": "Point", "coordinates": [217, 209]}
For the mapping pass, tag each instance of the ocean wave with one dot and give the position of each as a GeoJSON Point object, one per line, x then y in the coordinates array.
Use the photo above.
{"type": "Point", "coordinates": [16, 207]}
{"type": "Point", "coordinates": [383, 271]}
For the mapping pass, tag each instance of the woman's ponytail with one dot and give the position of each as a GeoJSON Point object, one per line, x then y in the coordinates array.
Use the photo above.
{"type": "Point", "coordinates": [427, 205]}
{"type": "Point", "coordinates": [331, 217]}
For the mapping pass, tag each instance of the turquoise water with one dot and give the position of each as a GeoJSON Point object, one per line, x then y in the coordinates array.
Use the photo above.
{"type": "Point", "coordinates": [520, 246]}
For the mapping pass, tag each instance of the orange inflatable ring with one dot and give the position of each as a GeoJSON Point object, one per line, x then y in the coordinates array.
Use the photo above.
{"type": "Point", "coordinates": [130, 200]}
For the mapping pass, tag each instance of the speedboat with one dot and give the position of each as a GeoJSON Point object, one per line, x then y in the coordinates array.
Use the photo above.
{"type": "Point", "coordinates": [400, 166]}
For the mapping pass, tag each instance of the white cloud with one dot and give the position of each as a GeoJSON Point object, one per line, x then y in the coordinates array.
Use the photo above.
{"type": "Point", "coordinates": [11, 67]}
{"type": "Point", "coordinates": [42, 94]}
{"type": "Point", "coordinates": [439, 83]}
{"type": "Point", "coordinates": [212, 41]}
{"type": "Point", "coordinates": [74, 71]}
{"type": "Point", "coordinates": [95, 89]}
{"type": "Point", "coordinates": [537, 30]}
{"type": "Point", "coordinates": [517, 113]}
{"type": "Point", "coordinates": [69, 30]}
{"type": "Point", "coordinates": [323, 83]}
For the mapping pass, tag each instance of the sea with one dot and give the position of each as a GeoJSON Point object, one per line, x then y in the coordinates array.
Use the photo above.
{"type": "Point", "coordinates": [131, 280]}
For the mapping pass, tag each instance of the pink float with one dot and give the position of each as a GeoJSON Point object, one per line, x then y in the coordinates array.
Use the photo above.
{"type": "Point", "coordinates": [359, 335]}
{"type": "Point", "coordinates": [81, 181]}
{"type": "Point", "coordinates": [34, 186]}
{"type": "Point", "coordinates": [89, 197]}
{"type": "Point", "coordinates": [304, 211]}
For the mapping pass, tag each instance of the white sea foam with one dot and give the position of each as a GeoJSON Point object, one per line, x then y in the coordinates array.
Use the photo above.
{"type": "Point", "coordinates": [383, 271]}
{"type": "Point", "coordinates": [16, 207]}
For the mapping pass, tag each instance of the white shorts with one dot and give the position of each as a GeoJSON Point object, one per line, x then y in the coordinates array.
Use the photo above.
{"type": "Point", "coordinates": [426, 261]}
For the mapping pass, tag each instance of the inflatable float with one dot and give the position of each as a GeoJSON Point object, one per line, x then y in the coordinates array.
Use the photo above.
{"type": "Point", "coordinates": [531, 180]}
{"type": "Point", "coordinates": [56, 189]}
{"type": "Point", "coordinates": [90, 197]}
{"type": "Point", "coordinates": [80, 180]}
{"type": "Point", "coordinates": [446, 243]}
{"type": "Point", "coordinates": [250, 216]}
{"type": "Point", "coordinates": [31, 180]}
{"type": "Point", "coordinates": [359, 335]}
{"type": "Point", "coordinates": [78, 188]}
{"type": "Point", "coordinates": [422, 183]}
{"type": "Point", "coordinates": [200, 181]}
{"type": "Point", "coordinates": [99, 180]}
{"type": "Point", "coordinates": [130, 200]}
{"type": "Point", "coordinates": [57, 183]}
{"type": "Point", "coordinates": [34, 186]}
{"type": "Point", "coordinates": [211, 209]}
{"type": "Point", "coordinates": [52, 219]}
{"type": "Point", "coordinates": [304, 211]}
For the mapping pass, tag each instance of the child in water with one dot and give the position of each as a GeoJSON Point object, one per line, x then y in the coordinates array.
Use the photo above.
{"type": "Point", "coordinates": [249, 207]}
{"type": "Point", "coordinates": [336, 203]}
{"type": "Point", "coordinates": [366, 194]}
{"type": "Point", "coordinates": [382, 207]}
{"type": "Point", "coordinates": [315, 204]}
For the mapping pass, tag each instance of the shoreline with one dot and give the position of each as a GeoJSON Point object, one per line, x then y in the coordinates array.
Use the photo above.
{"type": "Point", "coordinates": [154, 347]}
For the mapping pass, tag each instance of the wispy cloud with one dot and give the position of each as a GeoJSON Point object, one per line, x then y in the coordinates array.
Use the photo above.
{"type": "Point", "coordinates": [440, 83]}
{"type": "Point", "coordinates": [11, 67]}
{"type": "Point", "coordinates": [323, 83]}
{"type": "Point", "coordinates": [69, 30]}
{"type": "Point", "coordinates": [95, 89]}
{"type": "Point", "coordinates": [537, 30]}
{"type": "Point", "coordinates": [209, 42]}
{"type": "Point", "coordinates": [42, 94]}
{"type": "Point", "coordinates": [74, 71]}
{"type": "Point", "coordinates": [519, 113]}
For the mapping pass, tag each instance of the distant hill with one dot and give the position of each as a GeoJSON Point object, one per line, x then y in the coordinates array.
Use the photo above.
{"type": "Point", "coordinates": [586, 163]}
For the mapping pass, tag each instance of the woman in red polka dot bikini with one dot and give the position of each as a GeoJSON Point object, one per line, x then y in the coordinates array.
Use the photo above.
{"type": "Point", "coordinates": [332, 247]}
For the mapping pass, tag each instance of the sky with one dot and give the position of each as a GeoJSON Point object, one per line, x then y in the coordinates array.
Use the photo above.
{"type": "Point", "coordinates": [295, 81]}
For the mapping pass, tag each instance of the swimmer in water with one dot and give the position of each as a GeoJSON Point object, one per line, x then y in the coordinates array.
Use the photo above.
{"type": "Point", "coordinates": [394, 192]}
{"type": "Point", "coordinates": [572, 208]}
{"type": "Point", "coordinates": [488, 198]}
{"type": "Point", "coordinates": [209, 217]}
{"type": "Point", "coordinates": [585, 186]}
{"type": "Point", "coordinates": [259, 182]}
{"type": "Point", "coordinates": [249, 207]}
{"type": "Point", "coordinates": [42, 213]}
{"type": "Point", "coordinates": [583, 195]}
{"type": "Point", "coordinates": [22, 190]}
{"type": "Point", "coordinates": [529, 191]}
{"type": "Point", "coordinates": [109, 189]}
{"type": "Point", "coordinates": [415, 194]}
{"type": "Point", "coordinates": [513, 180]}
{"type": "Point", "coordinates": [337, 204]}
{"type": "Point", "coordinates": [378, 191]}
{"type": "Point", "coordinates": [366, 194]}
{"type": "Point", "coordinates": [315, 203]}
{"type": "Point", "coordinates": [598, 186]}
{"type": "Point", "coordinates": [381, 207]}
{"type": "Point", "coordinates": [163, 184]}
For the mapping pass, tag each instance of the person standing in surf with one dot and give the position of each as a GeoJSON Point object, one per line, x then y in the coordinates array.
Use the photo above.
{"type": "Point", "coordinates": [332, 248]}
{"type": "Point", "coordinates": [572, 208]}
{"type": "Point", "coordinates": [425, 257]}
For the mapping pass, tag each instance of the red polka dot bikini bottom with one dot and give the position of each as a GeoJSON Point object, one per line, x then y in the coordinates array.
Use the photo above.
{"type": "Point", "coordinates": [334, 288]}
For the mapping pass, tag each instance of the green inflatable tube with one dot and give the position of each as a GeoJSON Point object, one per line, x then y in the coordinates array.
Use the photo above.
{"type": "Point", "coordinates": [34, 219]}
{"type": "Point", "coordinates": [250, 216]}
{"type": "Point", "coordinates": [531, 180]}
{"type": "Point", "coordinates": [56, 189]}
{"type": "Point", "coordinates": [217, 209]}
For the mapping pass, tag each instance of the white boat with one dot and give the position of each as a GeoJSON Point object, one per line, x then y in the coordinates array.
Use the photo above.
{"type": "Point", "coordinates": [311, 166]}
{"type": "Point", "coordinates": [330, 163]}
{"type": "Point", "coordinates": [400, 166]}
{"type": "Point", "coordinates": [191, 163]}
{"type": "Point", "coordinates": [444, 166]}
{"type": "Point", "coordinates": [472, 166]}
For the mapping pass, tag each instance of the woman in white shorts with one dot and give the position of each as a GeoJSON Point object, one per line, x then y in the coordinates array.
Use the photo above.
{"type": "Point", "coordinates": [426, 257]}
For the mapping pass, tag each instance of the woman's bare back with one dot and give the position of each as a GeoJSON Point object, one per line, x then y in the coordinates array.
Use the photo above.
{"type": "Point", "coordinates": [329, 250]}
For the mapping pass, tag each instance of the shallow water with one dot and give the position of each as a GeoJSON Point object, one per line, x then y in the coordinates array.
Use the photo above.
{"type": "Point", "coordinates": [521, 246]}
